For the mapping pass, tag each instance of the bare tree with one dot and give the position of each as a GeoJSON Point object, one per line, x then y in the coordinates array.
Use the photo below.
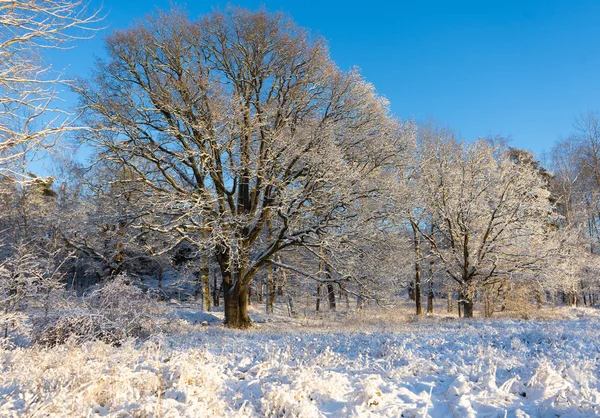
{"type": "Point", "coordinates": [491, 213]}
{"type": "Point", "coordinates": [29, 116]}
{"type": "Point", "coordinates": [576, 166]}
{"type": "Point", "coordinates": [588, 136]}
{"type": "Point", "coordinates": [234, 122]}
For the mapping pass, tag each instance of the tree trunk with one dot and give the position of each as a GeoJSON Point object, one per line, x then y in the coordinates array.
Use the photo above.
{"type": "Point", "coordinates": [539, 295]}
{"type": "Point", "coordinates": [235, 296]}
{"type": "Point", "coordinates": [419, 308]}
{"type": "Point", "coordinates": [466, 300]}
{"type": "Point", "coordinates": [468, 308]}
{"type": "Point", "coordinates": [270, 285]}
{"type": "Point", "coordinates": [360, 303]}
{"type": "Point", "coordinates": [318, 301]}
{"type": "Point", "coordinates": [417, 248]}
{"type": "Point", "coordinates": [292, 307]}
{"type": "Point", "coordinates": [430, 298]}
{"type": "Point", "coordinates": [216, 291]}
{"type": "Point", "coordinates": [260, 291]}
{"type": "Point", "coordinates": [236, 306]}
{"type": "Point", "coordinates": [290, 294]}
{"type": "Point", "coordinates": [431, 270]}
{"type": "Point", "coordinates": [346, 296]}
{"type": "Point", "coordinates": [270, 300]}
{"type": "Point", "coordinates": [450, 302]}
{"type": "Point", "coordinates": [330, 289]}
{"type": "Point", "coordinates": [331, 296]}
{"type": "Point", "coordinates": [574, 296]}
{"type": "Point", "coordinates": [487, 304]}
{"type": "Point", "coordinates": [205, 283]}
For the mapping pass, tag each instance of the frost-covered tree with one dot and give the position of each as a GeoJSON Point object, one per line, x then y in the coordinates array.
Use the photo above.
{"type": "Point", "coordinates": [575, 162]}
{"type": "Point", "coordinates": [491, 213]}
{"type": "Point", "coordinates": [233, 122]}
{"type": "Point", "coordinates": [30, 118]}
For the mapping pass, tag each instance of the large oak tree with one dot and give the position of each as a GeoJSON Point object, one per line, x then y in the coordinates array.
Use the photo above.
{"type": "Point", "coordinates": [233, 123]}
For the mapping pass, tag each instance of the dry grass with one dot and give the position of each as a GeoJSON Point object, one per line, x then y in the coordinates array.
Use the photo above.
{"type": "Point", "coordinates": [135, 380]}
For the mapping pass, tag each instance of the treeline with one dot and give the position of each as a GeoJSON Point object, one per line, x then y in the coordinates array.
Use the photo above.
{"type": "Point", "coordinates": [235, 163]}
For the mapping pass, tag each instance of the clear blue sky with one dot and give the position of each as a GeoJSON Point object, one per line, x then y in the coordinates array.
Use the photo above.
{"type": "Point", "coordinates": [524, 69]}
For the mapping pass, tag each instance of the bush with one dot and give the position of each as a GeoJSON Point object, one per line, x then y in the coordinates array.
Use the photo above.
{"type": "Point", "coordinates": [30, 279]}
{"type": "Point", "coordinates": [77, 328]}
{"type": "Point", "coordinates": [117, 310]}
{"type": "Point", "coordinates": [523, 299]}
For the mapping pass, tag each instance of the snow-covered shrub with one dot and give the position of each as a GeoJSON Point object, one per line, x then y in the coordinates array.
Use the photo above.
{"type": "Point", "coordinates": [29, 282]}
{"type": "Point", "coordinates": [111, 313]}
{"type": "Point", "coordinates": [122, 303]}
{"type": "Point", "coordinates": [523, 299]}
{"type": "Point", "coordinates": [77, 328]}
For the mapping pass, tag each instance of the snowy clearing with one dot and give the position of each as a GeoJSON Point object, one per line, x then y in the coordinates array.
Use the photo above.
{"type": "Point", "coordinates": [436, 368]}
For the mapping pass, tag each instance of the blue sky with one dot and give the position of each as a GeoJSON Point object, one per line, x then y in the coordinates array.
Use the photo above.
{"type": "Point", "coordinates": [524, 69]}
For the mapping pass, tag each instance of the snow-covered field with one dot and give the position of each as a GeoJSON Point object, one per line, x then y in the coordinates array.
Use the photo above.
{"type": "Point", "coordinates": [433, 367]}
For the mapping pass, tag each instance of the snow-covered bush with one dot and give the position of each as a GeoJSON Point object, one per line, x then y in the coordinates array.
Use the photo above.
{"type": "Point", "coordinates": [77, 328]}
{"type": "Point", "coordinates": [29, 282]}
{"type": "Point", "coordinates": [125, 305]}
{"type": "Point", "coordinates": [523, 299]}
{"type": "Point", "coordinates": [117, 310]}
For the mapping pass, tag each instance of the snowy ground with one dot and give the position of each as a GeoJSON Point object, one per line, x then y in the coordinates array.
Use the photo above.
{"type": "Point", "coordinates": [433, 367]}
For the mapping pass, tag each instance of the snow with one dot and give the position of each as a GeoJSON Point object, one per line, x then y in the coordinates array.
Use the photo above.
{"type": "Point", "coordinates": [431, 367]}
